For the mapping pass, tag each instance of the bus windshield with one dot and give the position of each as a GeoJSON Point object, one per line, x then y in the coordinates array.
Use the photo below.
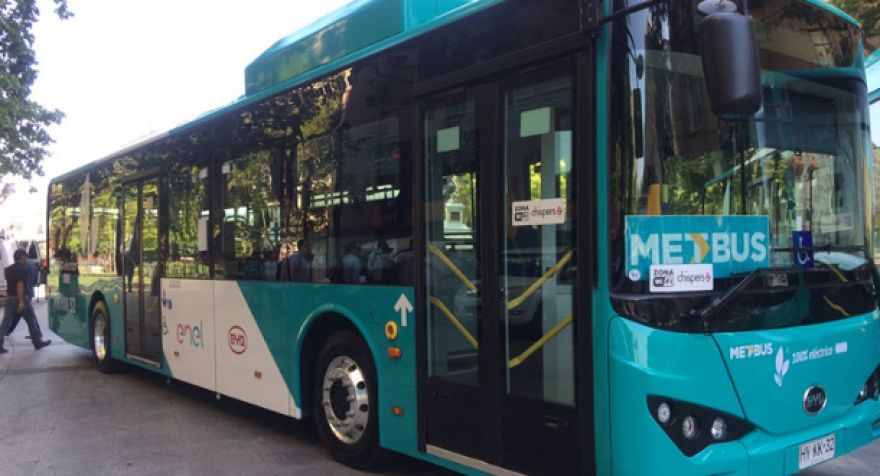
{"type": "Point", "coordinates": [700, 202]}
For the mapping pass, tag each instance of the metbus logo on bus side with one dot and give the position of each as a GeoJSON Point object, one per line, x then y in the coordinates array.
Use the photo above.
{"type": "Point", "coordinates": [237, 340]}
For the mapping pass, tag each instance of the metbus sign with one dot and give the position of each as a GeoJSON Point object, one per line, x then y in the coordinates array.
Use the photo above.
{"type": "Point", "coordinates": [731, 244]}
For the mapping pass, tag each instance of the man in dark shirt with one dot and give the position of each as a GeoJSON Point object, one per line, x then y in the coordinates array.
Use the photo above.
{"type": "Point", "coordinates": [29, 291]}
{"type": "Point", "coordinates": [17, 302]}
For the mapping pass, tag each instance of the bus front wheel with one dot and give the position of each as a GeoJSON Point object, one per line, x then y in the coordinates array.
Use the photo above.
{"type": "Point", "coordinates": [101, 338]}
{"type": "Point", "coordinates": [345, 401]}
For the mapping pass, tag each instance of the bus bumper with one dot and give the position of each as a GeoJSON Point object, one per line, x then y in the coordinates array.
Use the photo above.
{"type": "Point", "coordinates": [778, 454]}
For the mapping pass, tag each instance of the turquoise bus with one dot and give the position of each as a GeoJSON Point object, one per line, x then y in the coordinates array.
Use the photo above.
{"type": "Point", "coordinates": [509, 236]}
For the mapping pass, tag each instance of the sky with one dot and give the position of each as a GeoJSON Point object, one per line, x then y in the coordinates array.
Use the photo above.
{"type": "Point", "coordinates": [123, 70]}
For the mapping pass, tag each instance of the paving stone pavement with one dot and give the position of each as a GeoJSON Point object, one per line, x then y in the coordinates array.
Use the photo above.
{"type": "Point", "coordinates": [60, 416]}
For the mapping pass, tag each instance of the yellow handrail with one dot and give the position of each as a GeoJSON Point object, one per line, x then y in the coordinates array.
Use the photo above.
{"type": "Point", "coordinates": [455, 322]}
{"type": "Point", "coordinates": [540, 343]}
{"type": "Point", "coordinates": [452, 267]}
{"type": "Point", "coordinates": [512, 304]}
{"type": "Point", "coordinates": [828, 300]}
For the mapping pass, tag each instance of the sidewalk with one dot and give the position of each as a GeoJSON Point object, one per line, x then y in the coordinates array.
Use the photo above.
{"type": "Point", "coordinates": [60, 416]}
{"type": "Point", "coordinates": [22, 357]}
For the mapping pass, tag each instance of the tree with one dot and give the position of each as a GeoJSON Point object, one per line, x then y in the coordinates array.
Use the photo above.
{"type": "Point", "coordinates": [866, 12]}
{"type": "Point", "coordinates": [23, 122]}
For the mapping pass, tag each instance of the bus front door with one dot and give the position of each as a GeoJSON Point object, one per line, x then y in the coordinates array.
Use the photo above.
{"type": "Point", "coordinates": [500, 277]}
{"type": "Point", "coordinates": [141, 271]}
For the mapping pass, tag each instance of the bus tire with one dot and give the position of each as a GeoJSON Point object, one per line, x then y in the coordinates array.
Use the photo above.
{"type": "Point", "coordinates": [345, 401]}
{"type": "Point", "coordinates": [101, 338]}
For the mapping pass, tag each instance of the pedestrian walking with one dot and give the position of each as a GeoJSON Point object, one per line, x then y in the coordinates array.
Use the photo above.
{"type": "Point", "coordinates": [29, 292]}
{"type": "Point", "coordinates": [17, 302]}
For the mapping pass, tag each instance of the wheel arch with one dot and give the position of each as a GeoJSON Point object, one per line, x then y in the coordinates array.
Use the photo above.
{"type": "Point", "coordinates": [317, 328]}
{"type": "Point", "coordinates": [97, 297]}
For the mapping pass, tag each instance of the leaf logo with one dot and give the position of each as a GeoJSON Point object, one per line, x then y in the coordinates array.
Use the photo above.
{"type": "Point", "coordinates": [781, 367]}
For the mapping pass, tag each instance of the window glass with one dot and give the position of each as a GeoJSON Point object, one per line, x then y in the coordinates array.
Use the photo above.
{"type": "Point", "coordinates": [99, 246]}
{"type": "Point", "coordinates": [188, 215]}
{"type": "Point", "coordinates": [64, 232]}
{"type": "Point", "coordinates": [349, 198]}
{"type": "Point", "coordinates": [349, 216]}
{"type": "Point", "coordinates": [724, 198]}
{"type": "Point", "coordinates": [451, 233]}
{"type": "Point", "coordinates": [250, 218]}
{"type": "Point", "coordinates": [539, 301]}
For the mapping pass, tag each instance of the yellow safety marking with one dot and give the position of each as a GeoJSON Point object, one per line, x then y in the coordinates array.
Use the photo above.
{"type": "Point", "coordinates": [540, 343]}
{"type": "Point", "coordinates": [391, 331]}
{"type": "Point", "coordinates": [455, 322]}
{"type": "Point", "coordinates": [540, 282]}
{"type": "Point", "coordinates": [449, 264]}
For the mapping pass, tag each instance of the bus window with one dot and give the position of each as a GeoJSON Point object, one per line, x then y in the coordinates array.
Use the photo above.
{"type": "Point", "coordinates": [537, 170]}
{"type": "Point", "coordinates": [453, 252]}
{"type": "Point", "coordinates": [186, 197]}
{"type": "Point", "coordinates": [250, 222]}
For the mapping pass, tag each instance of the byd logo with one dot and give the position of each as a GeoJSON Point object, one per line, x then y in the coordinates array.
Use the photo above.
{"type": "Point", "coordinates": [237, 340]}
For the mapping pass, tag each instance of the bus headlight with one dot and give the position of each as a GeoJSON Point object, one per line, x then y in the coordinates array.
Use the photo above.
{"type": "Point", "coordinates": [694, 427]}
{"type": "Point", "coordinates": [664, 413]}
{"type": "Point", "coordinates": [719, 429]}
{"type": "Point", "coordinates": [689, 427]}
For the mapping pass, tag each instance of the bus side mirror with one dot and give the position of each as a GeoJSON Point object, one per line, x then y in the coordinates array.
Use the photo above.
{"type": "Point", "coordinates": [729, 50]}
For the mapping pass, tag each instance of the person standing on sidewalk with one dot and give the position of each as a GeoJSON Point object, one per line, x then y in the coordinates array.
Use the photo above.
{"type": "Point", "coordinates": [17, 302]}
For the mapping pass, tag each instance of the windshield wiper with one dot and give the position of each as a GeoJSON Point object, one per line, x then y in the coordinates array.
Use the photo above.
{"type": "Point", "coordinates": [705, 312]}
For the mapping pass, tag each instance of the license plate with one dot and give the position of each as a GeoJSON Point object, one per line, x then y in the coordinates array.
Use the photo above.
{"type": "Point", "coordinates": [816, 451]}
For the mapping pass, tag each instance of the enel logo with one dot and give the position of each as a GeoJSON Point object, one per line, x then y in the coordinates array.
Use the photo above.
{"type": "Point", "coordinates": [190, 334]}
{"type": "Point", "coordinates": [237, 340]}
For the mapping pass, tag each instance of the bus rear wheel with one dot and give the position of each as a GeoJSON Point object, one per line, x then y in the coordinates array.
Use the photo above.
{"type": "Point", "coordinates": [101, 338]}
{"type": "Point", "coordinates": [345, 401]}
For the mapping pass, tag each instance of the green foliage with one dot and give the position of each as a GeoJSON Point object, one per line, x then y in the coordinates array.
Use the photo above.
{"type": "Point", "coordinates": [866, 12]}
{"type": "Point", "coordinates": [23, 122]}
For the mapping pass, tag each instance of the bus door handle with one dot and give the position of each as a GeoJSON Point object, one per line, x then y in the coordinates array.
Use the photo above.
{"type": "Point", "coordinates": [440, 395]}
{"type": "Point", "coordinates": [555, 423]}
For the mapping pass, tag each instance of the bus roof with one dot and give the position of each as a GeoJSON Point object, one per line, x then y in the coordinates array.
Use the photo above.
{"type": "Point", "coordinates": [353, 32]}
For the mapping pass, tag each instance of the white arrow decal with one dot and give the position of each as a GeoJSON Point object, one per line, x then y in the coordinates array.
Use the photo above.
{"type": "Point", "coordinates": [404, 307]}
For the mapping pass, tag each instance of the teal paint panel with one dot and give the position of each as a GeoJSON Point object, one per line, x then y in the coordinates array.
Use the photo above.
{"type": "Point", "coordinates": [117, 318]}
{"type": "Point", "coordinates": [424, 11]}
{"type": "Point", "coordinates": [369, 23]}
{"type": "Point", "coordinates": [286, 311]}
{"type": "Point", "coordinates": [773, 369]}
{"type": "Point", "coordinates": [646, 361]}
{"type": "Point", "coordinates": [602, 310]}
{"type": "Point", "coordinates": [69, 307]}
{"type": "Point", "coordinates": [67, 311]}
